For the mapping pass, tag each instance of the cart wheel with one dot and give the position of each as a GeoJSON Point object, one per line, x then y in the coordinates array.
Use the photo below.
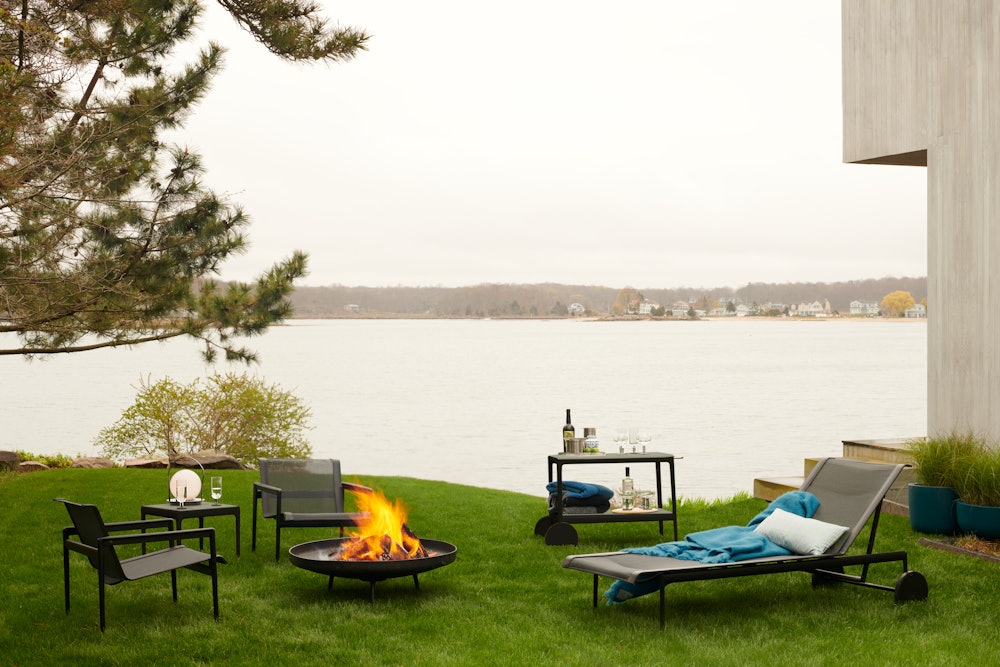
{"type": "Point", "coordinates": [560, 533]}
{"type": "Point", "coordinates": [911, 586]}
{"type": "Point", "coordinates": [543, 525]}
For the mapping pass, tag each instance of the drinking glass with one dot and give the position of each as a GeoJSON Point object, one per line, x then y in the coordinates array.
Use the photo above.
{"type": "Point", "coordinates": [216, 489]}
{"type": "Point", "coordinates": [645, 437]}
{"type": "Point", "coordinates": [620, 437]}
{"type": "Point", "coordinates": [633, 438]}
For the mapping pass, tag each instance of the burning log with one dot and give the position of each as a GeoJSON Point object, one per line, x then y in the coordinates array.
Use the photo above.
{"type": "Point", "coordinates": [382, 535]}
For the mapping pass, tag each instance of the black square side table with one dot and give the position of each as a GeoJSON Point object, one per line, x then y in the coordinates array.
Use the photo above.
{"type": "Point", "coordinates": [189, 511]}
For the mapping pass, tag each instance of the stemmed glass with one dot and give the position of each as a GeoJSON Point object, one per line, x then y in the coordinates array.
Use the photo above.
{"type": "Point", "coordinates": [216, 489]}
{"type": "Point", "coordinates": [633, 438]}
{"type": "Point", "coordinates": [645, 437]}
{"type": "Point", "coordinates": [620, 437]}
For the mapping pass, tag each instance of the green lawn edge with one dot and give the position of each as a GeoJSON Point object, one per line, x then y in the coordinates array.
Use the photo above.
{"type": "Point", "coordinates": [506, 600]}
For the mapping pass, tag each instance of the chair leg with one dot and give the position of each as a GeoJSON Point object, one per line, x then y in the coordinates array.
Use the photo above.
{"type": "Point", "coordinates": [173, 583]}
{"type": "Point", "coordinates": [100, 596]}
{"type": "Point", "coordinates": [253, 538]}
{"type": "Point", "coordinates": [277, 541]}
{"type": "Point", "coordinates": [214, 561]}
{"type": "Point", "coordinates": [66, 575]}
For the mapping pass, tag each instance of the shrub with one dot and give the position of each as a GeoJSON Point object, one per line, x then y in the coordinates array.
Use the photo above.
{"type": "Point", "coordinates": [941, 459]}
{"type": "Point", "coordinates": [238, 415]}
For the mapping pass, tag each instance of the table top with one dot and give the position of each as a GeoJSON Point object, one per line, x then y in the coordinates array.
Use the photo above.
{"type": "Point", "coordinates": [611, 457]}
{"type": "Point", "coordinates": [203, 508]}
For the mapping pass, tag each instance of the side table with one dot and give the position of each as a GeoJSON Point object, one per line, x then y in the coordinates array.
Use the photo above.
{"type": "Point", "coordinates": [179, 514]}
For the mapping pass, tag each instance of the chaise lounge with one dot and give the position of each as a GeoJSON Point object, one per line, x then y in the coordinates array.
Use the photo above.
{"type": "Point", "coordinates": [849, 493]}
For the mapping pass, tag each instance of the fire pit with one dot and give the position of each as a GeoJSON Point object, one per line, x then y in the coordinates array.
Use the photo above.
{"type": "Point", "coordinates": [384, 547]}
{"type": "Point", "coordinates": [316, 557]}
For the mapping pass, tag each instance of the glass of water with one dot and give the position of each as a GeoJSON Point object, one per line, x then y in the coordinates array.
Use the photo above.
{"type": "Point", "coordinates": [216, 489]}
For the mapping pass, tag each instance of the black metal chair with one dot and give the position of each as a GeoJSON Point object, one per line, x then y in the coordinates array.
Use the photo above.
{"type": "Point", "coordinates": [93, 539]}
{"type": "Point", "coordinates": [302, 493]}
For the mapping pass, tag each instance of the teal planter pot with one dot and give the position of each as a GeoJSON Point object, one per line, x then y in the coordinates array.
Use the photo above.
{"type": "Point", "coordinates": [932, 509]}
{"type": "Point", "coordinates": [980, 520]}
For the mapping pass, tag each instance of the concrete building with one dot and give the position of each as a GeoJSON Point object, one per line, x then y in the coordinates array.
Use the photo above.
{"type": "Point", "coordinates": [921, 87]}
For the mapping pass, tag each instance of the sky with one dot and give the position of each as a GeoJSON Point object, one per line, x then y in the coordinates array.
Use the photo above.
{"type": "Point", "coordinates": [643, 143]}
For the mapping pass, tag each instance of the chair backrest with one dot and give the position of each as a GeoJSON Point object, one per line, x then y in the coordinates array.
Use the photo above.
{"type": "Point", "coordinates": [849, 492]}
{"type": "Point", "coordinates": [90, 528]}
{"type": "Point", "coordinates": [307, 485]}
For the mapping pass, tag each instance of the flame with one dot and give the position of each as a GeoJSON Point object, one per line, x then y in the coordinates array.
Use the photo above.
{"type": "Point", "coordinates": [382, 533]}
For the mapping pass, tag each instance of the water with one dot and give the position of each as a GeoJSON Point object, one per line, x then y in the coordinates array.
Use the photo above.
{"type": "Point", "coordinates": [481, 402]}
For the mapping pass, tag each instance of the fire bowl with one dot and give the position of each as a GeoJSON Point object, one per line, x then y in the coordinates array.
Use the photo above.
{"type": "Point", "coordinates": [315, 557]}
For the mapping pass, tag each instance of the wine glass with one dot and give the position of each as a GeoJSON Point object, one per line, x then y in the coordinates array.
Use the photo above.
{"type": "Point", "coordinates": [216, 489]}
{"type": "Point", "coordinates": [620, 437]}
{"type": "Point", "coordinates": [645, 437]}
{"type": "Point", "coordinates": [633, 438]}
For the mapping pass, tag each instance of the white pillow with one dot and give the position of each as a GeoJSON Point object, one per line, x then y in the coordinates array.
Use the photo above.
{"type": "Point", "coordinates": [799, 534]}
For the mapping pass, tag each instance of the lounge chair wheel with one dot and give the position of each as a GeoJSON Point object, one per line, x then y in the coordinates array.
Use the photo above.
{"type": "Point", "coordinates": [543, 525]}
{"type": "Point", "coordinates": [561, 533]}
{"type": "Point", "coordinates": [911, 586]}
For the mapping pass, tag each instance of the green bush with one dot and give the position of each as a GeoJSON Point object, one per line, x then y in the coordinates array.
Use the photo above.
{"type": "Point", "coordinates": [51, 460]}
{"type": "Point", "coordinates": [234, 414]}
{"type": "Point", "coordinates": [968, 462]}
{"type": "Point", "coordinates": [942, 459]}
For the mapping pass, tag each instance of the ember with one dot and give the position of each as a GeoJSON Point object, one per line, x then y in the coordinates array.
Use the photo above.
{"type": "Point", "coordinates": [383, 535]}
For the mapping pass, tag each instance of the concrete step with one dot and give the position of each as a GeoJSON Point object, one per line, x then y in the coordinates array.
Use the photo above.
{"type": "Point", "coordinates": [873, 451]}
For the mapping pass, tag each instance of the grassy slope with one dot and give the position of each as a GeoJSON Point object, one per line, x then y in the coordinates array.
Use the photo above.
{"type": "Point", "coordinates": [505, 600]}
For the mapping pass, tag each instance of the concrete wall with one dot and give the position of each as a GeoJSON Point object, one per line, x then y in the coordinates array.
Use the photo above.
{"type": "Point", "coordinates": [921, 85]}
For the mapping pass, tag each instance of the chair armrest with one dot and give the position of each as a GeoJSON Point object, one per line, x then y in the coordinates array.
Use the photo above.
{"type": "Point", "coordinates": [139, 525]}
{"type": "Point", "coordinates": [261, 487]}
{"type": "Point", "coordinates": [69, 531]}
{"type": "Point", "coordinates": [169, 535]}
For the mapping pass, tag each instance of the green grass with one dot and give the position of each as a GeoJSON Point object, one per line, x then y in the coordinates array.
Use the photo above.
{"type": "Point", "coordinates": [505, 600]}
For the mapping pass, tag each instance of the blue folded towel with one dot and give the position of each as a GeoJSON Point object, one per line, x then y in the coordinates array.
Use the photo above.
{"type": "Point", "coordinates": [719, 545]}
{"type": "Point", "coordinates": [581, 490]}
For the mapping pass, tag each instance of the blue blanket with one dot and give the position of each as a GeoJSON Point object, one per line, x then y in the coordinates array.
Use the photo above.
{"type": "Point", "coordinates": [580, 490]}
{"type": "Point", "coordinates": [719, 545]}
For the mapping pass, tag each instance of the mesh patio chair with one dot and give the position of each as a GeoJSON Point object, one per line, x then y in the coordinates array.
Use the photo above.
{"type": "Point", "coordinates": [302, 493]}
{"type": "Point", "coordinates": [849, 493]}
{"type": "Point", "coordinates": [91, 536]}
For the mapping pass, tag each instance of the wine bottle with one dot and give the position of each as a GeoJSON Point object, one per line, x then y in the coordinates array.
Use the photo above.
{"type": "Point", "coordinates": [568, 431]}
{"type": "Point", "coordinates": [628, 491]}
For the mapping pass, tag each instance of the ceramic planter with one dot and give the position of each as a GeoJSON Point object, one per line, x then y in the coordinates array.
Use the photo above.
{"type": "Point", "coordinates": [932, 509]}
{"type": "Point", "coordinates": [980, 520]}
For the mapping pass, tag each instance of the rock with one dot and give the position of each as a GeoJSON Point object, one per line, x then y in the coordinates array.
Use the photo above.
{"type": "Point", "coordinates": [93, 462]}
{"type": "Point", "coordinates": [145, 463]}
{"type": "Point", "coordinates": [9, 461]}
{"type": "Point", "coordinates": [214, 460]}
{"type": "Point", "coordinates": [31, 466]}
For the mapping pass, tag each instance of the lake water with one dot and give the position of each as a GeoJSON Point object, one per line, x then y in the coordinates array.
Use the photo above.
{"type": "Point", "coordinates": [482, 402]}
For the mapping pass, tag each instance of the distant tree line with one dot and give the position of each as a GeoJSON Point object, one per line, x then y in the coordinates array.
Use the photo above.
{"type": "Point", "coordinates": [552, 300]}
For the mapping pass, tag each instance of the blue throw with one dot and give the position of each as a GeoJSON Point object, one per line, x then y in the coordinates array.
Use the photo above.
{"type": "Point", "coordinates": [719, 545]}
{"type": "Point", "coordinates": [581, 490]}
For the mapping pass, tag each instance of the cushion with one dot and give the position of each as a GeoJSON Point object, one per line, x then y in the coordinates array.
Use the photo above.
{"type": "Point", "coordinates": [799, 534]}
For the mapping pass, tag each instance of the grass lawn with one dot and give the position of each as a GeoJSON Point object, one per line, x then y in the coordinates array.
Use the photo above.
{"type": "Point", "coordinates": [504, 601]}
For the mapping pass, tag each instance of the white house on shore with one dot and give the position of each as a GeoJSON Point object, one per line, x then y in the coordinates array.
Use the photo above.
{"type": "Point", "coordinates": [864, 308]}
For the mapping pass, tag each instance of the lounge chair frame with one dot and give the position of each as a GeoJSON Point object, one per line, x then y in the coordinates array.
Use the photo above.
{"type": "Point", "coordinates": [826, 569]}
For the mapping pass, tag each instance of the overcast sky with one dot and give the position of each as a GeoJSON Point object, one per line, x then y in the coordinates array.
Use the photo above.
{"type": "Point", "coordinates": [648, 143]}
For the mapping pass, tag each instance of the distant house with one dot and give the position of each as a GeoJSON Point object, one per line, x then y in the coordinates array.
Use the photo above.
{"type": "Point", "coordinates": [742, 310]}
{"type": "Point", "coordinates": [864, 308]}
{"type": "Point", "coordinates": [647, 307]}
{"type": "Point", "coordinates": [352, 308]}
{"type": "Point", "coordinates": [917, 310]}
{"type": "Point", "coordinates": [575, 309]}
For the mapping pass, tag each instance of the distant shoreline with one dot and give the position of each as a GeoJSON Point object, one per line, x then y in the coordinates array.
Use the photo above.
{"type": "Point", "coordinates": [610, 318]}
